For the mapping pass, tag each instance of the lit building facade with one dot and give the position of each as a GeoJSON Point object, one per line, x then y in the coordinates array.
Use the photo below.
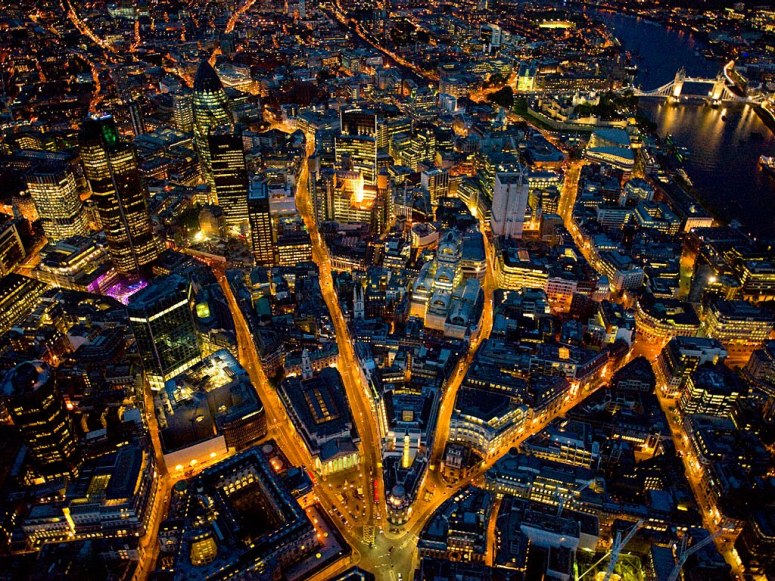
{"type": "Point", "coordinates": [262, 234]}
{"type": "Point", "coordinates": [210, 108]}
{"type": "Point", "coordinates": [509, 204]}
{"type": "Point", "coordinates": [78, 263]}
{"type": "Point", "coordinates": [230, 175]}
{"type": "Point", "coordinates": [206, 411]}
{"type": "Point", "coordinates": [112, 497]}
{"type": "Point", "coordinates": [318, 407]}
{"type": "Point", "coordinates": [37, 408]}
{"type": "Point", "coordinates": [18, 296]}
{"type": "Point", "coordinates": [740, 326]}
{"type": "Point", "coordinates": [487, 420]}
{"type": "Point", "coordinates": [660, 320]}
{"type": "Point", "coordinates": [117, 186]}
{"type": "Point", "coordinates": [55, 193]}
{"type": "Point", "coordinates": [711, 390]}
{"type": "Point", "coordinates": [182, 112]}
{"type": "Point", "coordinates": [436, 182]}
{"type": "Point", "coordinates": [356, 145]}
{"type": "Point", "coordinates": [11, 246]}
{"type": "Point", "coordinates": [681, 357]}
{"type": "Point", "coordinates": [164, 328]}
{"type": "Point", "coordinates": [294, 247]}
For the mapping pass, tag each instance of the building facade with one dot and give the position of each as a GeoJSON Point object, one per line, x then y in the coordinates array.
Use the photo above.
{"type": "Point", "coordinates": [55, 193]}
{"type": "Point", "coordinates": [210, 107]}
{"type": "Point", "coordinates": [37, 408]}
{"type": "Point", "coordinates": [230, 175]}
{"type": "Point", "coordinates": [164, 328]}
{"type": "Point", "coordinates": [509, 203]}
{"type": "Point", "coordinates": [117, 186]}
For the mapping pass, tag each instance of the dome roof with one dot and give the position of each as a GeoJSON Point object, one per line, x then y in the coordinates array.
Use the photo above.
{"type": "Point", "coordinates": [206, 79]}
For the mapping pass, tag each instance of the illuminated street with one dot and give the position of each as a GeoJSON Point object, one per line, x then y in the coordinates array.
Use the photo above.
{"type": "Point", "coordinates": [345, 291]}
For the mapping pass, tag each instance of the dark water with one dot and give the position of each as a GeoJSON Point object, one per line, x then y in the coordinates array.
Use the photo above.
{"type": "Point", "coordinates": [724, 156]}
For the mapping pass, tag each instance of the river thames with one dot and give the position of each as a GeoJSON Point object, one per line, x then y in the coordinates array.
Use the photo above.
{"type": "Point", "coordinates": [724, 143]}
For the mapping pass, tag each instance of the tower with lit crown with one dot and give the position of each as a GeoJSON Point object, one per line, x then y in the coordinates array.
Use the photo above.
{"type": "Point", "coordinates": [210, 106]}
{"type": "Point", "coordinates": [110, 165]}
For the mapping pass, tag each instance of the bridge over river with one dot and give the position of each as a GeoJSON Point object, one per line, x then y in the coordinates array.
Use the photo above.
{"type": "Point", "coordinates": [727, 86]}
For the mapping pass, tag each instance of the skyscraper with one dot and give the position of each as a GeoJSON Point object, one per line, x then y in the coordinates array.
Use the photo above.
{"type": "Point", "coordinates": [164, 329]}
{"type": "Point", "coordinates": [383, 206]}
{"type": "Point", "coordinates": [356, 144]}
{"type": "Point", "coordinates": [136, 116]}
{"type": "Point", "coordinates": [436, 183]}
{"type": "Point", "coordinates": [12, 250]}
{"type": "Point", "coordinates": [182, 111]}
{"type": "Point", "coordinates": [262, 236]}
{"type": "Point", "coordinates": [37, 408]}
{"type": "Point", "coordinates": [211, 109]}
{"type": "Point", "coordinates": [230, 175]}
{"type": "Point", "coordinates": [111, 168]}
{"type": "Point", "coordinates": [509, 203]}
{"type": "Point", "coordinates": [55, 193]}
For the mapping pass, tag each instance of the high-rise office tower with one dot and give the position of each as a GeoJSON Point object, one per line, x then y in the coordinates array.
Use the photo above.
{"type": "Point", "coordinates": [54, 190]}
{"type": "Point", "coordinates": [422, 146]}
{"type": "Point", "coordinates": [136, 116]}
{"type": "Point", "coordinates": [230, 175]}
{"type": "Point", "coordinates": [11, 246]}
{"type": "Point", "coordinates": [383, 207]}
{"type": "Point", "coordinates": [412, 149]}
{"type": "Point", "coordinates": [436, 183]}
{"type": "Point", "coordinates": [164, 329]}
{"type": "Point", "coordinates": [37, 408]}
{"type": "Point", "coordinates": [509, 204]}
{"type": "Point", "coordinates": [210, 106]}
{"type": "Point", "coordinates": [262, 235]}
{"type": "Point", "coordinates": [322, 192]}
{"type": "Point", "coordinates": [120, 194]}
{"type": "Point", "coordinates": [183, 112]}
{"type": "Point", "coordinates": [358, 122]}
{"type": "Point", "coordinates": [391, 126]}
{"type": "Point", "coordinates": [356, 145]}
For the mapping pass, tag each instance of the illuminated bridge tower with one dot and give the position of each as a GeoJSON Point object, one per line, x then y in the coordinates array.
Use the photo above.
{"type": "Point", "coordinates": [719, 86]}
{"type": "Point", "coordinates": [678, 84]}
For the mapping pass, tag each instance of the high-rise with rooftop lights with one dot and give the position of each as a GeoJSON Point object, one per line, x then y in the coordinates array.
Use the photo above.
{"type": "Point", "coordinates": [110, 165]}
{"type": "Point", "coordinates": [211, 109]}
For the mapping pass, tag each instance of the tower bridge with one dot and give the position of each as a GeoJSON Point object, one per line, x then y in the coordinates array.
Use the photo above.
{"type": "Point", "coordinates": [719, 89]}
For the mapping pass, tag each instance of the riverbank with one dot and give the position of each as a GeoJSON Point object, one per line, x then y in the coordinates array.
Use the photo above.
{"type": "Point", "coordinates": [649, 18]}
{"type": "Point", "coordinates": [767, 115]}
{"type": "Point", "coordinates": [724, 142]}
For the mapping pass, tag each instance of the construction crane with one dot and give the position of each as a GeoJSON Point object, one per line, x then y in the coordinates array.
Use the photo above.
{"type": "Point", "coordinates": [561, 500]}
{"type": "Point", "coordinates": [619, 544]}
{"type": "Point", "coordinates": [686, 553]}
{"type": "Point", "coordinates": [616, 548]}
